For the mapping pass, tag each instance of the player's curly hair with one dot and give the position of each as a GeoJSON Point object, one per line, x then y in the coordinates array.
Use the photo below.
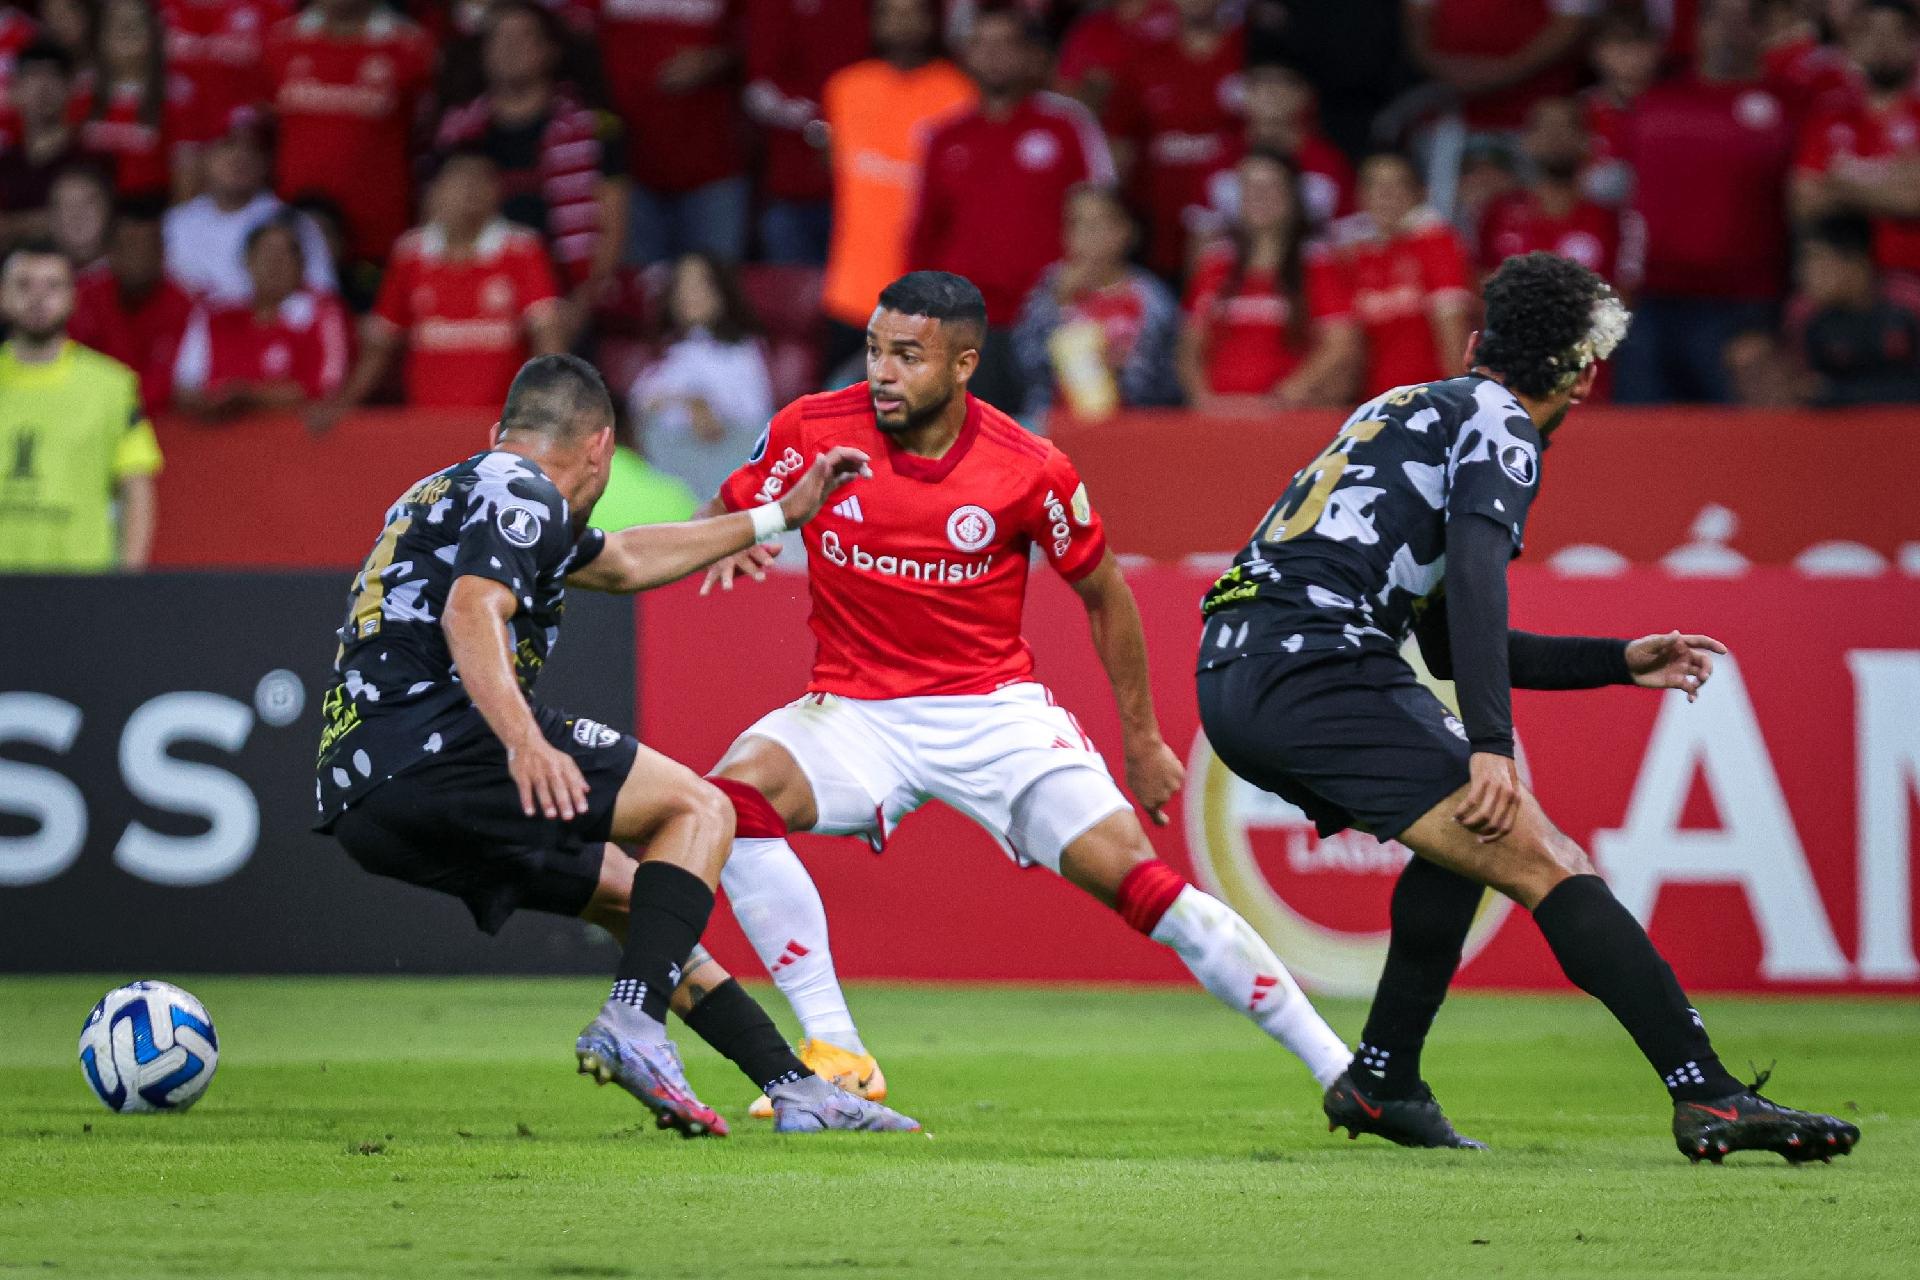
{"type": "Point", "coordinates": [1548, 318]}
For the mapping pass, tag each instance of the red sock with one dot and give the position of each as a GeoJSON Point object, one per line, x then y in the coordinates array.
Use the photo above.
{"type": "Point", "coordinates": [1146, 893]}
{"type": "Point", "coordinates": [755, 818]}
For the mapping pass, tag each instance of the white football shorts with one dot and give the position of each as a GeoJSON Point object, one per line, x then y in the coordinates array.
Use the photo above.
{"type": "Point", "coordinates": [1013, 760]}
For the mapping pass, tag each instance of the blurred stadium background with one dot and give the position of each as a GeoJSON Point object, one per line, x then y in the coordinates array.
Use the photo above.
{"type": "Point", "coordinates": [704, 196]}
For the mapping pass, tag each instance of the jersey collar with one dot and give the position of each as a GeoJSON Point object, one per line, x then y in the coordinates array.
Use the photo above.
{"type": "Point", "coordinates": [933, 470]}
{"type": "Point", "coordinates": [19, 372]}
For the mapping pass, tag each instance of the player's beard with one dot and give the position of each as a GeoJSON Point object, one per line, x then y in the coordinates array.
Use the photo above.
{"type": "Point", "coordinates": [915, 417]}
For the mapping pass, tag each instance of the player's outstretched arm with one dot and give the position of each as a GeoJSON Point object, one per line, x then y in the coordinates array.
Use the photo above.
{"type": "Point", "coordinates": [653, 555]}
{"type": "Point", "coordinates": [1673, 661]}
{"type": "Point", "coordinates": [1154, 772]}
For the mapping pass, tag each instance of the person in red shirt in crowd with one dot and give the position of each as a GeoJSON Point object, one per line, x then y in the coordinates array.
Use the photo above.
{"type": "Point", "coordinates": [134, 110]}
{"type": "Point", "coordinates": [127, 308]}
{"type": "Point", "coordinates": [80, 207]}
{"type": "Point", "coordinates": [994, 180]}
{"type": "Point", "coordinates": [1097, 331]}
{"type": "Point", "coordinates": [1177, 113]}
{"type": "Point", "coordinates": [219, 48]}
{"type": "Point", "coordinates": [1550, 213]}
{"type": "Point", "coordinates": [38, 142]}
{"type": "Point", "coordinates": [670, 68]}
{"type": "Point", "coordinates": [1280, 119]}
{"type": "Point", "coordinates": [1102, 41]}
{"type": "Point", "coordinates": [1269, 318]}
{"type": "Point", "coordinates": [1711, 152]}
{"type": "Point", "coordinates": [284, 348]}
{"type": "Point", "coordinates": [1863, 155]}
{"type": "Point", "coordinates": [1809, 73]}
{"type": "Point", "coordinates": [793, 46]}
{"type": "Point", "coordinates": [348, 77]}
{"type": "Point", "coordinates": [470, 296]}
{"type": "Point", "coordinates": [1411, 279]}
{"type": "Point", "coordinates": [562, 164]}
{"type": "Point", "coordinates": [1500, 56]}
{"type": "Point", "coordinates": [1626, 61]}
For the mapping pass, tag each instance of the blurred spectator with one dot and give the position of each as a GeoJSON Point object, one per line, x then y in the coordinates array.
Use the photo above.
{"type": "Point", "coordinates": [1412, 286]}
{"type": "Point", "coordinates": [219, 48]}
{"type": "Point", "coordinates": [792, 47]}
{"type": "Point", "coordinates": [1863, 154]}
{"type": "Point", "coordinates": [71, 25]}
{"type": "Point", "coordinates": [75, 439]}
{"type": "Point", "coordinates": [1352, 53]}
{"type": "Point", "coordinates": [79, 208]}
{"type": "Point", "coordinates": [1808, 73]}
{"type": "Point", "coordinates": [1096, 327]}
{"type": "Point", "coordinates": [133, 110]}
{"type": "Point", "coordinates": [1101, 41]}
{"type": "Point", "coordinates": [359, 279]}
{"type": "Point", "coordinates": [40, 142]}
{"type": "Point", "coordinates": [670, 68]}
{"type": "Point", "coordinates": [640, 494]}
{"type": "Point", "coordinates": [699, 407]}
{"type": "Point", "coordinates": [994, 181]}
{"type": "Point", "coordinates": [1500, 56]}
{"type": "Point", "coordinates": [348, 77]}
{"type": "Point", "coordinates": [1550, 212]}
{"type": "Point", "coordinates": [1269, 320]}
{"type": "Point", "coordinates": [1710, 152]}
{"type": "Point", "coordinates": [284, 347]}
{"type": "Point", "coordinates": [127, 308]}
{"type": "Point", "coordinates": [877, 112]}
{"type": "Point", "coordinates": [470, 296]}
{"type": "Point", "coordinates": [1176, 118]}
{"type": "Point", "coordinates": [1626, 61]}
{"type": "Point", "coordinates": [1856, 336]}
{"type": "Point", "coordinates": [1281, 118]}
{"type": "Point", "coordinates": [206, 235]}
{"type": "Point", "coordinates": [562, 165]}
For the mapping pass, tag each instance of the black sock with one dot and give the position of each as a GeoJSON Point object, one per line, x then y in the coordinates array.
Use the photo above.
{"type": "Point", "coordinates": [665, 918]}
{"type": "Point", "coordinates": [1432, 911]}
{"type": "Point", "coordinates": [740, 1031]}
{"type": "Point", "coordinates": [1604, 951]}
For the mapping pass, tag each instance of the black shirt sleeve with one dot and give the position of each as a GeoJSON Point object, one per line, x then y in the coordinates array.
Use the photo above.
{"type": "Point", "coordinates": [1478, 549]}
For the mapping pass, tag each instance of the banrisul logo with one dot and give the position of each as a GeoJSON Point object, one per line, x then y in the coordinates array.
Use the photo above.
{"type": "Point", "coordinates": [1320, 901]}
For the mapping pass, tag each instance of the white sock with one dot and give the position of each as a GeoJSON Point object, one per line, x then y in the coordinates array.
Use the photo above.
{"type": "Point", "coordinates": [775, 901]}
{"type": "Point", "coordinates": [1239, 968]}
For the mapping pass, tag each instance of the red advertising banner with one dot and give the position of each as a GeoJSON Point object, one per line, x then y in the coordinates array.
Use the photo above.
{"type": "Point", "coordinates": [1728, 485]}
{"type": "Point", "coordinates": [1766, 831]}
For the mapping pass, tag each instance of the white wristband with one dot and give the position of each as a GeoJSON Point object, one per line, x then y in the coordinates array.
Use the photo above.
{"type": "Point", "coordinates": [769, 522]}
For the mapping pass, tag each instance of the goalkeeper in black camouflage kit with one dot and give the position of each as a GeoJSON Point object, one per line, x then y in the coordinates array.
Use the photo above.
{"type": "Point", "coordinates": [437, 768]}
{"type": "Point", "coordinates": [1405, 525]}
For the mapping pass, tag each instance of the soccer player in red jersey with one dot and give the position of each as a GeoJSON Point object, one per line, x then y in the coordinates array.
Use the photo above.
{"type": "Point", "coordinates": [923, 687]}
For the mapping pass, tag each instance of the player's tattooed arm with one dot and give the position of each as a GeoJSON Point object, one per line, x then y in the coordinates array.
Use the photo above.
{"type": "Point", "coordinates": [1154, 772]}
{"type": "Point", "coordinates": [653, 555]}
{"type": "Point", "coordinates": [475, 622]}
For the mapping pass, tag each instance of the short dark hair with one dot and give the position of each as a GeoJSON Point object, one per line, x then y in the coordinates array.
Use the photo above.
{"type": "Point", "coordinates": [1846, 233]}
{"type": "Point", "coordinates": [551, 394]}
{"type": "Point", "coordinates": [1540, 327]}
{"type": "Point", "coordinates": [46, 53]}
{"type": "Point", "coordinates": [939, 295]}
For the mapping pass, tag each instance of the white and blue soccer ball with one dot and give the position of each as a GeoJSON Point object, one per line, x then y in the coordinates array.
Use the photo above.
{"type": "Point", "coordinates": [148, 1046]}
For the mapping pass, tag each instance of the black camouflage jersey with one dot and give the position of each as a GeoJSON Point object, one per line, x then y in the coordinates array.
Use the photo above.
{"type": "Point", "coordinates": [1355, 546]}
{"type": "Point", "coordinates": [399, 700]}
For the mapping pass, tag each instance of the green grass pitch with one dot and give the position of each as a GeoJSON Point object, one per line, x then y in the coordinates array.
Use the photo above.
{"type": "Point", "coordinates": [427, 1128]}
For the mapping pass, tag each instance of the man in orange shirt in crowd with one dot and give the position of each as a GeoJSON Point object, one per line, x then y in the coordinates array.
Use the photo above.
{"type": "Point", "coordinates": [348, 76]}
{"type": "Point", "coordinates": [470, 295]}
{"type": "Point", "coordinates": [877, 113]}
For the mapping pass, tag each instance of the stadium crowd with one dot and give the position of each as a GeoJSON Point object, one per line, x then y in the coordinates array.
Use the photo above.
{"type": "Point", "coordinates": [1236, 205]}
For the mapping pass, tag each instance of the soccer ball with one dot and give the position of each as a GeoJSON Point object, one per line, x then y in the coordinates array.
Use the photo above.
{"type": "Point", "coordinates": [148, 1046]}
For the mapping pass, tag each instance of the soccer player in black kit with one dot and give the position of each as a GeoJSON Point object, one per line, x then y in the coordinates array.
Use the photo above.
{"type": "Point", "coordinates": [1405, 524]}
{"type": "Point", "coordinates": [436, 768]}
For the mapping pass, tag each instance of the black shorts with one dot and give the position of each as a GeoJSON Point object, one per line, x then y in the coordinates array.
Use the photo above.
{"type": "Point", "coordinates": [1352, 738]}
{"type": "Point", "coordinates": [454, 824]}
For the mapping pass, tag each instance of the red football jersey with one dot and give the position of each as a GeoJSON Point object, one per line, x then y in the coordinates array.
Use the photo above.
{"type": "Point", "coordinates": [305, 342]}
{"type": "Point", "coordinates": [346, 110]}
{"type": "Point", "coordinates": [143, 335]}
{"type": "Point", "coordinates": [1590, 234]}
{"type": "Point", "coordinates": [792, 47]}
{"type": "Point", "coordinates": [918, 575]}
{"type": "Point", "coordinates": [465, 319]}
{"type": "Point", "coordinates": [1857, 141]}
{"type": "Point", "coordinates": [142, 151]}
{"type": "Point", "coordinates": [675, 141]}
{"type": "Point", "coordinates": [992, 192]}
{"type": "Point", "coordinates": [1250, 339]}
{"type": "Point", "coordinates": [1500, 29]}
{"type": "Point", "coordinates": [1100, 43]}
{"type": "Point", "coordinates": [217, 46]}
{"type": "Point", "coordinates": [1184, 118]}
{"type": "Point", "coordinates": [1398, 284]}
